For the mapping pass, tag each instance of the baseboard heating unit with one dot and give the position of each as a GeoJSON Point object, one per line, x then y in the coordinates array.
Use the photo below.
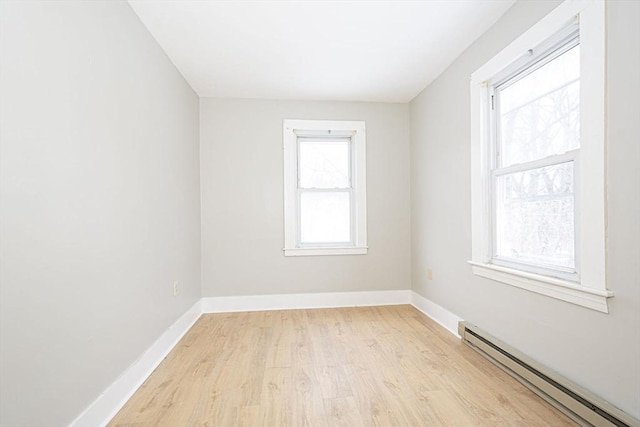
{"type": "Point", "coordinates": [577, 403]}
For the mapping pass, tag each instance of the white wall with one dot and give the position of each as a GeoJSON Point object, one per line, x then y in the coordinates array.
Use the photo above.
{"type": "Point", "coordinates": [598, 351]}
{"type": "Point", "coordinates": [242, 200]}
{"type": "Point", "coordinates": [100, 202]}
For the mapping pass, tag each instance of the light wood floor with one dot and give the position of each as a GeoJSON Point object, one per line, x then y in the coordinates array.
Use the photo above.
{"type": "Point", "coordinates": [370, 366]}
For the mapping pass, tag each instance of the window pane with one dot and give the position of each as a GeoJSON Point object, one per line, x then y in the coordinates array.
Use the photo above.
{"type": "Point", "coordinates": [325, 217]}
{"type": "Point", "coordinates": [324, 164]}
{"type": "Point", "coordinates": [540, 114]}
{"type": "Point", "coordinates": [535, 216]}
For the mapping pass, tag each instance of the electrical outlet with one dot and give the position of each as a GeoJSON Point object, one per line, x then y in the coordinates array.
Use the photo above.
{"type": "Point", "coordinates": [429, 274]}
{"type": "Point", "coordinates": [176, 288]}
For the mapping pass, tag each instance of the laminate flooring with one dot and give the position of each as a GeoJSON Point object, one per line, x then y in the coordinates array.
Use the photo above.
{"type": "Point", "coordinates": [364, 366]}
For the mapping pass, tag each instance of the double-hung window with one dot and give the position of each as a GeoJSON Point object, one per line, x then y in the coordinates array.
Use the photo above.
{"type": "Point", "coordinates": [535, 142]}
{"type": "Point", "coordinates": [324, 187]}
{"type": "Point", "coordinates": [537, 151]}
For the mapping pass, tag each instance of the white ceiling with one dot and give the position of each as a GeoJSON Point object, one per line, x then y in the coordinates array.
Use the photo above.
{"type": "Point", "coordinates": [384, 51]}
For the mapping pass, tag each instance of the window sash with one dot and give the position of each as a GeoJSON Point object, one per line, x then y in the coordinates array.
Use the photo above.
{"type": "Point", "coordinates": [572, 274]}
{"type": "Point", "coordinates": [350, 242]}
{"type": "Point", "coordinates": [539, 57]}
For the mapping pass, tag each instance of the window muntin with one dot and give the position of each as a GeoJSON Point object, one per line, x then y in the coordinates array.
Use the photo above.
{"type": "Point", "coordinates": [535, 115]}
{"type": "Point", "coordinates": [325, 187]}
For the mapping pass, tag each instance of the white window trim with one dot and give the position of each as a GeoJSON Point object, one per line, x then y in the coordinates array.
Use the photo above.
{"type": "Point", "coordinates": [356, 129]}
{"type": "Point", "coordinates": [591, 291]}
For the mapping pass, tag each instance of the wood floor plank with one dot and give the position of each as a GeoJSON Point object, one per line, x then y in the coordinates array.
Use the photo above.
{"type": "Point", "coordinates": [366, 366]}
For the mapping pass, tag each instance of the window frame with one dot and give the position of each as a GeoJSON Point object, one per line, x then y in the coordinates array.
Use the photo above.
{"type": "Point", "coordinates": [293, 130]}
{"type": "Point", "coordinates": [589, 289]}
{"type": "Point", "coordinates": [551, 49]}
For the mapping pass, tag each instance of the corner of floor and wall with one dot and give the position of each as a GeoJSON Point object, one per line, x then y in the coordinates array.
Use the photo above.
{"type": "Point", "coordinates": [120, 225]}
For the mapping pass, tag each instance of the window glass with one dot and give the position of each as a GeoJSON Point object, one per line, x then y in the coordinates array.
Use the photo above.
{"type": "Point", "coordinates": [535, 216]}
{"type": "Point", "coordinates": [324, 164]}
{"type": "Point", "coordinates": [325, 217]}
{"type": "Point", "coordinates": [540, 113]}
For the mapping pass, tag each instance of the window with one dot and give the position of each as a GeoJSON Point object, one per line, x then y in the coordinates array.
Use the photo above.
{"type": "Point", "coordinates": [538, 159]}
{"type": "Point", "coordinates": [324, 187]}
{"type": "Point", "coordinates": [535, 141]}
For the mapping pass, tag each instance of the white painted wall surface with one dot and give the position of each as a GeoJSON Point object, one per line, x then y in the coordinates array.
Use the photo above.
{"type": "Point", "coordinates": [99, 207]}
{"type": "Point", "coordinates": [598, 351]}
{"type": "Point", "coordinates": [242, 200]}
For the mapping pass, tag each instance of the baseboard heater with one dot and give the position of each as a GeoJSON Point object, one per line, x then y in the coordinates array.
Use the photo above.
{"type": "Point", "coordinates": [577, 403]}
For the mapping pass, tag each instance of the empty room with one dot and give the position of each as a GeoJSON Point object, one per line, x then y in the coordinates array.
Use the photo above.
{"type": "Point", "coordinates": [319, 213]}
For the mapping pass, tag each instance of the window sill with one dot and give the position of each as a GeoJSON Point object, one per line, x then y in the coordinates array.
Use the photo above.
{"type": "Point", "coordinates": [362, 250]}
{"type": "Point", "coordinates": [595, 299]}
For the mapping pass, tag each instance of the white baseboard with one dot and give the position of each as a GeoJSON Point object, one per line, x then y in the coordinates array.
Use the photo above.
{"type": "Point", "coordinates": [302, 301]}
{"type": "Point", "coordinates": [444, 317]}
{"type": "Point", "coordinates": [437, 313]}
{"type": "Point", "coordinates": [107, 405]}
